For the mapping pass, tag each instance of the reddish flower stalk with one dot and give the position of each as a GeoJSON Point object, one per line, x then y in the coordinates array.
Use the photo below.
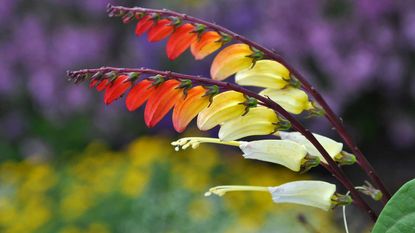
{"type": "Point", "coordinates": [332, 167]}
{"type": "Point", "coordinates": [329, 114]}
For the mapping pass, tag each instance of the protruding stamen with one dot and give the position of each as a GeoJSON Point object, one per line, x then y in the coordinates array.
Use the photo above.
{"type": "Point", "coordinates": [222, 190]}
{"type": "Point", "coordinates": [194, 142]}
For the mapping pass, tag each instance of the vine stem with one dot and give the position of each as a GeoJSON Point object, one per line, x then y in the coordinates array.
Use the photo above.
{"type": "Point", "coordinates": [329, 113]}
{"type": "Point", "coordinates": [331, 166]}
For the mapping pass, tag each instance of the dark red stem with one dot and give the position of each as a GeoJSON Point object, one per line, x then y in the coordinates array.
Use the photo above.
{"type": "Point", "coordinates": [331, 167]}
{"type": "Point", "coordinates": [330, 115]}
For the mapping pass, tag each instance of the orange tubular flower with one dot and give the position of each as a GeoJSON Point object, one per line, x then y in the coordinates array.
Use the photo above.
{"type": "Point", "coordinates": [209, 42]}
{"type": "Point", "coordinates": [160, 30]}
{"type": "Point", "coordinates": [161, 101]}
{"type": "Point", "coordinates": [180, 40]}
{"type": "Point", "coordinates": [139, 94]}
{"type": "Point", "coordinates": [187, 108]}
{"type": "Point", "coordinates": [117, 89]}
{"type": "Point", "coordinates": [143, 25]}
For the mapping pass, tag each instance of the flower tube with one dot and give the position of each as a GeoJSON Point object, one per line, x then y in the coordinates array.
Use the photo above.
{"type": "Point", "coordinates": [258, 121]}
{"type": "Point", "coordinates": [266, 74]}
{"type": "Point", "coordinates": [313, 193]}
{"type": "Point", "coordinates": [291, 99]}
{"type": "Point", "coordinates": [225, 106]}
{"type": "Point", "coordinates": [208, 43]}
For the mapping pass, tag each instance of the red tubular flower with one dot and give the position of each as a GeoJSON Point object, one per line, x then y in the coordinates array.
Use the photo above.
{"type": "Point", "coordinates": [117, 89]}
{"type": "Point", "coordinates": [139, 94]}
{"type": "Point", "coordinates": [93, 83]}
{"type": "Point", "coordinates": [160, 103]}
{"type": "Point", "coordinates": [143, 25]}
{"type": "Point", "coordinates": [208, 43]}
{"type": "Point", "coordinates": [187, 108]}
{"type": "Point", "coordinates": [160, 30]}
{"type": "Point", "coordinates": [102, 85]}
{"type": "Point", "coordinates": [180, 40]}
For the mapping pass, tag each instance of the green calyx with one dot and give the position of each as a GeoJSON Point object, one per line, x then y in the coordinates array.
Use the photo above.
{"type": "Point", "coordinates": [340, 200]}
{"type": "Point", "coordinates": [345, 158]}
{"type": "Point", "coordinates": [371, 191]}
{"type": "Point", "coordinates": [282, 124]}
{"type": "Point", "coordinates": [175, 21]}
{"type": "Point", "coordinates": [211, 91]}
{"type": "Point", "coordinates": [133, 76]}
{"type": "Point", "coordinates": [308, 162]}
{"type": "Point", "coordinates": [157, 80]}
{"type": "Point", "coordinates": [249, 103]}
{"type": "Point", "coordinates": [225, 38]}
{"type": "Point", "coordinates": [111, 76]}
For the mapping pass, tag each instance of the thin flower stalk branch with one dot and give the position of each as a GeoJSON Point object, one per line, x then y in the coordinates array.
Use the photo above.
{"type": "Point", "coordinates": [331, 167]}
{"type": "Point", "coordinates": [329, 114]}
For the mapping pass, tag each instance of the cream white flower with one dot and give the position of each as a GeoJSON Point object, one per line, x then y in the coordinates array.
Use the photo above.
{"type": "Point", "coordinates": [332, 147]}
{"type": "Point", "coordinates": [318, 194]}
{"type": "Point", "coordinates": [284, 152]}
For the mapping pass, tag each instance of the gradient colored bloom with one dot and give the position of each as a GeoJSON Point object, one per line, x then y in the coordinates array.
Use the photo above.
{"type": "Point", "coordinates": [331, 146]}
{"type": "Point", "coordinates": [308, 192]}
{"type": "Point", "coordinates": [180, 40]}
{"type": "Point", "coordinates": [265, 73]}
{"type": "Point", "coordinates": [117, 89]}
{"type": "Point", "coordinates": [161, 101]}
{"type": "Point", "coordinates": [144, 25]}
{"type": "Point", "coordinates": [284, 152]}
{"type": "Point", "coordinates": [208, 43]}
{"type": "Point", "coordinates": [139, 94]}
{"type": "Point", "coordinates": [230, 60]}
{"type": "Point", "coordinates": [225, 106]}
{"type": "Point", "coordinates": [188, 107]}
{"type": "Point", "coordinates": [161, 29]}
{"type": "Point", "coordinates": [258, 121]}
{"type": "Point", "coordinates": [291, 99]}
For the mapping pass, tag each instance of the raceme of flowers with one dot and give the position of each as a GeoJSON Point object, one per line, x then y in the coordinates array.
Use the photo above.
{"type": "Point", "coordinates": [237, 114]}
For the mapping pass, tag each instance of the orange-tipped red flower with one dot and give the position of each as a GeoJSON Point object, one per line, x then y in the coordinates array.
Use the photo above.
{"type": "Point", "coordinates": [161, 101]}
{"type": "Point", "coordinates": [143, 25]}
{"type": "Point", "coordinates": [139, 94]}
{"type": "Point", "coordinates": [161, 29]}
{"type": "Point", "coordinates": [117, 89]}
{"type": "Point", "coordinates": [180, 40]}
{"type": "Point", "coordinates": [187, 108]}
{"type": "Point", "coordinates": [208, 43]}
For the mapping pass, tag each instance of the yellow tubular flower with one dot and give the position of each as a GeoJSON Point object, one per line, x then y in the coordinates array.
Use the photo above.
{"type": "Point", "coordinates": [258, 121]}
{"type": "Point", "coordinates": [230, 60]}
{"type": "Point", "coordinates": [283, 152]}
{"type": "Point", "coordinates": [225, 106]}
{"type": "Point", "coordinates": [291, 99]}
{"type": "Point", "coordinates": [331, 146]}
{"type": "Point", "coordinates": [266, 74]}
{"type": "Point", "coordinates": [308, 192]}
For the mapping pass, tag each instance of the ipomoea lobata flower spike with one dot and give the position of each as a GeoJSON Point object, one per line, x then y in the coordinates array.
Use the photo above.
{"type": "Point", "coordinates": [286, 153]}
{"type": "Point", "coordinates": [333, 148]}
{"type": "Point", "coordinates": [230, 60]}
{"type": "Point", "coordinates": [291, 99]}
{"type": "Point", "coordinates": [258, 121]}
{"type": "Point", "coordinates": [318, 194]}
{"type": "Point", "coordinates": [266, 74]}
{"type": "Point", "coordinates": [225, 106]}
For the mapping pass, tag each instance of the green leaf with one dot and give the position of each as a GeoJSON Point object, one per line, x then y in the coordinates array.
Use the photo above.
{"type": "Point", "coordinates": [399, 214]}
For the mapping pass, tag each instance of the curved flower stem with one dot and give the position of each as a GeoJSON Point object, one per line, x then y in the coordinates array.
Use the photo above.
{"type": "Point", "coordinates": [331, 166]}
{"type": "Point", "coordinates": [329, 114]}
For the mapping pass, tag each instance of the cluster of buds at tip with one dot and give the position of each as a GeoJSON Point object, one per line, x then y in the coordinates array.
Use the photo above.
{"type": "Point", "coordinates": [313, 193]}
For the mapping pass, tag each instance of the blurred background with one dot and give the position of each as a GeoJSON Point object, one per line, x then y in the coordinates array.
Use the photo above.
{"type": "Point", "coordinates": [70, 164]}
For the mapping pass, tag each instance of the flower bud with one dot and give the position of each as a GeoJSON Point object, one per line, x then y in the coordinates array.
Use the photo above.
{"type": "Point", "coordinates": [230, 60]}
{"type": "Point", "coordinates": [266, 74]}
{"type": "Point", "coordinates": [225, 106]}
{"type": "Point", "coordinates": [332, 147]}
{"type": "Point", "coordinates": [258, 121]}
{"type": "Point", "coordinates": [291, 99]}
